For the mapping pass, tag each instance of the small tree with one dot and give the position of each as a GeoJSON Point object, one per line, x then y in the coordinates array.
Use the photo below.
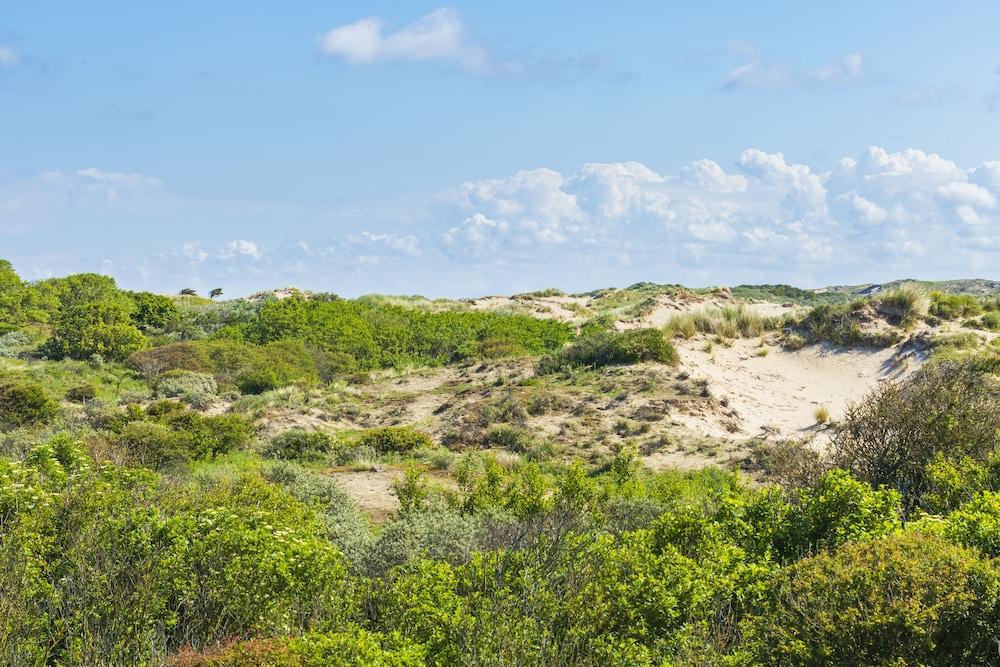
{"type": "Point", "coordinates": [215, 293]}
{"type": "Point", "coordinates": [99, 327]}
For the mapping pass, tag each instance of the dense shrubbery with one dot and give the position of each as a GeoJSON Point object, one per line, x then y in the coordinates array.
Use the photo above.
{"type": "Point", "coordinates": [394, 439]}
{"type": "Point", "coordinates": [949, 409]}
{"type": "Point", "coordinates": [605, 348]}
{"type": "Point", "coordinates": [24, 402]}
{"type": "Point", "coordinates": [151, 533]}
{"type": "Point", "coordinates": [301, 445]}
{"type": "Point", "coordinates": [363, 335]}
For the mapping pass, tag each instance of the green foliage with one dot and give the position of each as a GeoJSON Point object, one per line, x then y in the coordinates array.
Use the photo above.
{"type": "Point", "coordinates": [171, 434]}
{"type": "Point", "coordinates": [909, 599]}
{"type": "Point", "coordinates": [152, 312]}
{"type": "Point", "coordinates": [606, 348]}
{"type": "Point", "coordinates": [338, 649]}
{"type": "Point", "coordinates": [394, 439]}
{"type": "Point", "coordinates": [94, 327]}
{"type": "Point", "coordinates": [891, 436]}
{"type": "Point", "coordinates": [81, 393]}
{"type": "Point", "coordinates": [845, 324]}
{"type": "Point", "coordinates": [954, 306]}
{"type": "Point", "coordinates": [24, 402]}
{"type": "Point", "coordinates": [367, 335]}
{"type": "Point", "coordinates": [301, 445]}
{"type": "Point", "coordinates": [190, 386]}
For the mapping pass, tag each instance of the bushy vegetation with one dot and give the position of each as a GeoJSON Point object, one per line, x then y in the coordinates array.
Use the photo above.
{"type": "Point", "coordinates": [606, 348]}
{"type": "Point", "coordinates": [24, 402]}
{"type": "Point", "coordinates": [139, 527]}
{"type": "Point", "coordinates": [361, 335]}
{"type": "Point", "coordinates": [850, 324]}
{"type": "Point", "coordinates": [394, 439]}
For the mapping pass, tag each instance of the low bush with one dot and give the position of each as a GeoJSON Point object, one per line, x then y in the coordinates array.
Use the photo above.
{"type": "Point", "coordinates": [81, 393]}
{"type": "Point", "coordinates": [893, 434]}
{"type": "Point", "coordinates": [909, 599]}
{"type": "Point", "coordinates": [607, 348]}
{"type": "Point", "coordinates": [169, 433]}
{"type": "Point", "coordinates": [194, 388]}
{"type": "Point", "coordinates": [954, 306]}
{"type": "Point", "coordinates": [258, 381]}
{"type": "Point", "coordinates": [13, 343]}
{"type": "Point", "coordinates": [301, 445]}
{"type": "Point", "coordinates": [394, 439]}
{"type": "Point", "coordinates": [24, 402]}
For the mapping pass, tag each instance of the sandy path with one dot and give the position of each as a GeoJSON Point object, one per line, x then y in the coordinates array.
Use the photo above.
{"type": "Point", "coordinates": [778, 394]}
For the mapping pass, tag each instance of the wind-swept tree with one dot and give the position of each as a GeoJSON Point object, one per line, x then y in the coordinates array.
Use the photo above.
{"type": "Point", "coordinates": [215, 292]}
{"type": "Point", "coordinates": [188, 291]}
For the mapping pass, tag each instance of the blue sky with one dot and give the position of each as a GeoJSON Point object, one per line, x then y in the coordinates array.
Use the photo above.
{"type": "Point", "coordinates": [485, 147]}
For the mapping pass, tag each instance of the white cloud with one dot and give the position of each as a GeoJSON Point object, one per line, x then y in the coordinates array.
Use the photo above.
{"type": "Point", "coordinates": [192, 251]}
{"type": "Point", "coordinates": [758, 72]}
{"type": "Point", "coordinates": [240, 248]}
{"type": "Point", "coordinates": [764, 216]}
{"type": "Point", "coordinates": [847, 68]}
{"type": "Point", "coordinates": [438, 36]}
{"type": "Point", "coordinates": [8, 56]}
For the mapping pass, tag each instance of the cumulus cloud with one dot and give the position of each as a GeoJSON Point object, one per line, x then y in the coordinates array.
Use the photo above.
{"type": "Point", "coordinates": [756, 71]}
{"type": "Point", "coordinates": [438, 36]}
{"type": "Point", "coordinates": [760, 217]}
{"type": "Point", "coordinates": [765, 215]}
{"type": "Point", "coordinates": [240, 248]}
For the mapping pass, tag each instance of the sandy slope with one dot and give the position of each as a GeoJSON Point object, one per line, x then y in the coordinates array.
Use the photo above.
{"type": "Point", "coordinates": [777, 395]}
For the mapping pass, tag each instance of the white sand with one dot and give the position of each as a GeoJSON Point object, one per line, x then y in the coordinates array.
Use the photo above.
{"type": "Point", "coordinates": [777, 395]}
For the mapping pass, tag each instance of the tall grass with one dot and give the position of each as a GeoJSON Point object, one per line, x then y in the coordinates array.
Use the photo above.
{"type": "Point", "coordinates": [725, 322]}
{"type": "Point", "coordinates": [908, 303]}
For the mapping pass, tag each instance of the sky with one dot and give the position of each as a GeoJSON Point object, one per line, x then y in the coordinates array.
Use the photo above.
{"type": "Point", "coordinates": [473, 148]}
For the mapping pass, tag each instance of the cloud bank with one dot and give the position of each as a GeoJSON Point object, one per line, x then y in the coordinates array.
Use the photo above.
{"type": "Point", "coordinates": [762, 218]}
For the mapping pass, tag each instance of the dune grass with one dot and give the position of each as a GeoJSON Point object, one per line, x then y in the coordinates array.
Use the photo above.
{"type": "Point", "coordinates": [725, 322]}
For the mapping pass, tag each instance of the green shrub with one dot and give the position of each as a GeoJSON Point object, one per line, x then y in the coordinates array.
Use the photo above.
{"type": "Point", "coordinates": [24, 402]}
{"type": "Point", "coordinates": [842, 324]}
{"type": "Point", "coordinates": [909, 599]}
{"type": "Point", "coordinates": [255, 562]}
{"type": "Point", "coordinates": [506, 436]}
{"type": "Point", "coordinates": [171, 434]}
{"type": "Point", "coordinates": [300, 444]}
{"type": "Point", "coordinates": [395, 439]}
{"type": "Point", "coordinates": [81, 393]}
{"type": "Point", "coordinates": [953, 306]}
{"type": "Point", "coordinates": [151, 312]}
{"type": "Point", "coordinates": [607, 348]}
{"type": "Point", "coordinates": [13, 343]}
{"type": "Point", "coordinates": [98, 327]}
{"type": "Point", "coordinates": [189, 386]}
{"type": "Point", "coordinates": [340, 649]}
{"type": "Point", "coordinates": [893, 434]}
{"type": "Point", "coordinates": [258, 381]}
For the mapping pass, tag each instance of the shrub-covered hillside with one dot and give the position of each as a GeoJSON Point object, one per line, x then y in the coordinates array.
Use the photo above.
{"type": "Point", "coordinates": [311, 481]}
